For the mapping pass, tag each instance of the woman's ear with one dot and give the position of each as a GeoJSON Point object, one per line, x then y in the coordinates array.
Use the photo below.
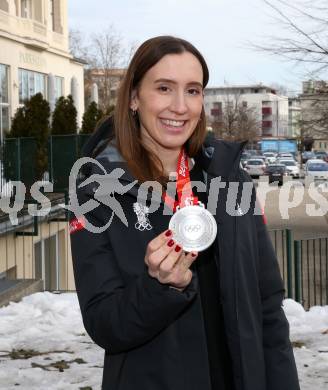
{"type": "Point", "coordinates": [134, 100]}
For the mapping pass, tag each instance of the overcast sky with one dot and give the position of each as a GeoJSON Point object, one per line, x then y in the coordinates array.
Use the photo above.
{"type": "Point", "coordinates": [220, 29]}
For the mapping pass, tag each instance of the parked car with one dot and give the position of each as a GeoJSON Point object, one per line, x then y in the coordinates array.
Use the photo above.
{"type": "Point", "coordinates": [286, 156]}
{"type": "Point", "coordinates": [316, 168]}
{"type": "Point", "coordinates": [322, 155]}
{"type": "Point", "coordinates": [255, 167]}
{"type": "Point", "coordinates": [291, 167]}
{"type": "Point", "coordinates": [270, 156]}
{"type": "Point", "coordinates": [307, 156]}
{"type": "Point", "coordinates": [276, 173]}
{"type": "Point", "coordinates": [261, 157]}
{"type": "Point", "coordinates": [252, 152]}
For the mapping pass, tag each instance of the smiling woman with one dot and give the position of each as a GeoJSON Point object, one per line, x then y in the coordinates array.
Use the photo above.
{"type": "Point", "coordinates": [191, 302]}
{"type": "Point", "coordinates": [164, 90]}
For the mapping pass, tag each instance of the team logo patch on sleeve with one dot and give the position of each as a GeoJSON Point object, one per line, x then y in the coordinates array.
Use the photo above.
{"type": "Point", "coordinates": [76, 224]}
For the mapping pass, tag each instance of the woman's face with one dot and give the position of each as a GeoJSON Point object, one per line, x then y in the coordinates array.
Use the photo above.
{"type": "Point", "coordinates": [169, 101]}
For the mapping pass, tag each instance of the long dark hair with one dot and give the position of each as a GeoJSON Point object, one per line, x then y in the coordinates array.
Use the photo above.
{"type": "Point", "coordinates": [143, 164]}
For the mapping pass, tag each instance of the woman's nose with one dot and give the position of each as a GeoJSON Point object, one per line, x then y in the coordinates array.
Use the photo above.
{"type": "Point", "coordinates": [179, 103]}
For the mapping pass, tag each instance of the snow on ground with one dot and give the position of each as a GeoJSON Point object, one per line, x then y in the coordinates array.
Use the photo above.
{"type": "Point", "coordinates": [43, 345]}
{"type": "Point", "coordinates": [309, 335]}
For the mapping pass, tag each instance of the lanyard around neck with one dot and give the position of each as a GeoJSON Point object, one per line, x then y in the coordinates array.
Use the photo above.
{"type": "Point", "coordinates": [184, 189]}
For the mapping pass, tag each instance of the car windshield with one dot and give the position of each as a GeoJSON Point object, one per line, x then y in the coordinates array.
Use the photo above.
{"type": "Point", "coordinates": [268, 154]}
{"type": "Point", "coordinates": [255, 162]}
{"type": "Point", "coordinates": [276, 168]}
{"type": "Point", "coordinates": [318, 167]}
{"type": "Point", "coordinates": [289, 163]}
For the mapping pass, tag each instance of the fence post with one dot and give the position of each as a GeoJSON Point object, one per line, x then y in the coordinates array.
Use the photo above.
{"type": "Point", "coordinates": [297, 271]}
{"type": "Point", "coordinates": [289, 263]}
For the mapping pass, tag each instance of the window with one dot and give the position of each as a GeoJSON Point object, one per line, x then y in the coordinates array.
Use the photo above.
{"type": "Point", "coordinates": [52, 15]}
{"type": "Point", "coordinates": [30, 83]}
{"type": "Point", "coordinates": [55, 16]}
{"type": "Point", "coordinates": [26, 9]}
{"type": "Point", "coordinates": [59, 82]}
{"type": "Point", "coordinates": [4, 101]}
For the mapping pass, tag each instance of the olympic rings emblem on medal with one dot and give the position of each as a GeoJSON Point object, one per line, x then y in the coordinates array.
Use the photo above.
{"type": "Point", "coordinates": [192, 228]}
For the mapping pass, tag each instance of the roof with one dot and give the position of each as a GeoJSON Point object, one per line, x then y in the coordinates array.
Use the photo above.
{"type": "Point", "coordinates": [242, 86]}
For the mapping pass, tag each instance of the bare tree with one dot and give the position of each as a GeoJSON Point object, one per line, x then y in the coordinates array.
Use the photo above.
{"type": "Point", "coordinates": [78, 45]}
{"type": "Point", "coordinates": [236, 121]}
{"type": "Point", "coordinates": [107, 55]}
{"type": "Point", "coordinates": [303, 27]}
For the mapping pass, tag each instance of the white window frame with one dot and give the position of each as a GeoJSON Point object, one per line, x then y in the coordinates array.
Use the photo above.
{"type": "Point", "coordinates": [29, 73]}
{"type": "Point", "coordinates": [4, 104]}
{"type": "Point", "coordinates": [26, 9]}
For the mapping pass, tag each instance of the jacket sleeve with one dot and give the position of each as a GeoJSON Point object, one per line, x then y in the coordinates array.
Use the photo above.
{"type": "Point", "coordinates": [281, 372]}
{"type": "Point", "coordinates": [118, 316]}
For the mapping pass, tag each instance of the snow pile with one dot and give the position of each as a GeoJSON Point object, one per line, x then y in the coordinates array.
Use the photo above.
{"type": "Point", "coordinates": [43, 345]}
{"type": "Point", "coordinates": [51, 348]}
{"type": "Point", "coordinates": [309, 335]}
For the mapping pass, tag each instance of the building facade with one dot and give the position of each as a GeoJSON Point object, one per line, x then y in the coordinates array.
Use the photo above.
{"type": "Point", "coordinates": [34, 56]}
{"type": "Point", "coordinates": [294, 116]}
{"type": "Point", "coordinates": [107, 82]}
{"type": "Point", "coordinates": [271, 109]}
{"type": "Point", "coordinates": [314, 113]}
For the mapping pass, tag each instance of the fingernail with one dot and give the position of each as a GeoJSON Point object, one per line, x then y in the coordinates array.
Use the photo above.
{"type": "Point", "coordinates": [193, 254]}
{"type": "Point", "coordinates": [177, 248]}
{"type": "Point", "coordinates": [168, 233]}
{"type": "Point", "coordinates": [170, 243]}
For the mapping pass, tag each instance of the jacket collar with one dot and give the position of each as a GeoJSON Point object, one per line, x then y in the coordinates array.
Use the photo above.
{"type": "Point", "coordinates": [221, 158]}
{"type": "Point", "coordinates": [217, 158]}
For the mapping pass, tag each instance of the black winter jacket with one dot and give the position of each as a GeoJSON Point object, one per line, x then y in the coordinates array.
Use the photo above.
{"type": "Point", "coordinates": [153, 336]}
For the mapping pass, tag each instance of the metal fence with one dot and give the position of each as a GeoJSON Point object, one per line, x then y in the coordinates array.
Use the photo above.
{"type": "Point", "coordinates": [18, 161]}
{"type": "Point", "coordinates": [303, 266]}
{"type": "Point", "coordinates": [38, 248]}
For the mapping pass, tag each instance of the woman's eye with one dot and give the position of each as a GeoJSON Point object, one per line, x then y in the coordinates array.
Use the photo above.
{"type": "Point", "coordinates": [163, 88]}
{"type": "Point", "coordinates": [194, 91]}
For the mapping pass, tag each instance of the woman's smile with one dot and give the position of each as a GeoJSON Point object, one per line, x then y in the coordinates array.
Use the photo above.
{"type": "Point", "coordinates": [175, 126]}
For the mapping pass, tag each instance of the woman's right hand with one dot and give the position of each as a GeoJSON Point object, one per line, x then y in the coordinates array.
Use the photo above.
{"type": "Point", "coordinates": [168, 263]}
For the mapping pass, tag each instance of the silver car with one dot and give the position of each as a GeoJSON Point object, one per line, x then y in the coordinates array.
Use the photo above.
{"type": "Point", "coordinates": [316, 168]}
{"type": "Point", "coordinates": [255, 167]}
{"type": "Point", "coordinates": [291, 167]}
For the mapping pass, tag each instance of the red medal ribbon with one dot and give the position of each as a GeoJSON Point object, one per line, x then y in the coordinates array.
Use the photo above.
{"type": "Point", "coordinates": [184, 189]}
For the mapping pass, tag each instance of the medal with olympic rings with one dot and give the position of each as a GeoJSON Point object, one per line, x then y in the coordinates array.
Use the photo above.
{"type": "Point", "coordinates": [193, 227]}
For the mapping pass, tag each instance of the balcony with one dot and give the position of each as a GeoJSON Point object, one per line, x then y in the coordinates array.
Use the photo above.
{"type": "Point", "coordinates": [216, 112]}
{"type": "Point", "coordinates": [266, 124]}
{"type": "Point", "coordinates": [266, 110]}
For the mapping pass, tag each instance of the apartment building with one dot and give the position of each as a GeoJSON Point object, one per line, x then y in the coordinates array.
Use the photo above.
{"type": "Point", "coordinates": [34, 56]}
{"type": "Point", "coordinates": [294, 117]}
{"type": "Point", "coordinates": [314, 109]}
{"type": "Point", "coordinates": [270, 108]}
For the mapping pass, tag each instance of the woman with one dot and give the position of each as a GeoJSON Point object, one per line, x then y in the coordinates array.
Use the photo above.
{"type": "Point", "coordinates": [169, 319]}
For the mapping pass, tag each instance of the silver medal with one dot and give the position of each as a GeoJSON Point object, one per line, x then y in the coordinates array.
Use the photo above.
{"type": "Point", "coordinates": [193, 227]}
